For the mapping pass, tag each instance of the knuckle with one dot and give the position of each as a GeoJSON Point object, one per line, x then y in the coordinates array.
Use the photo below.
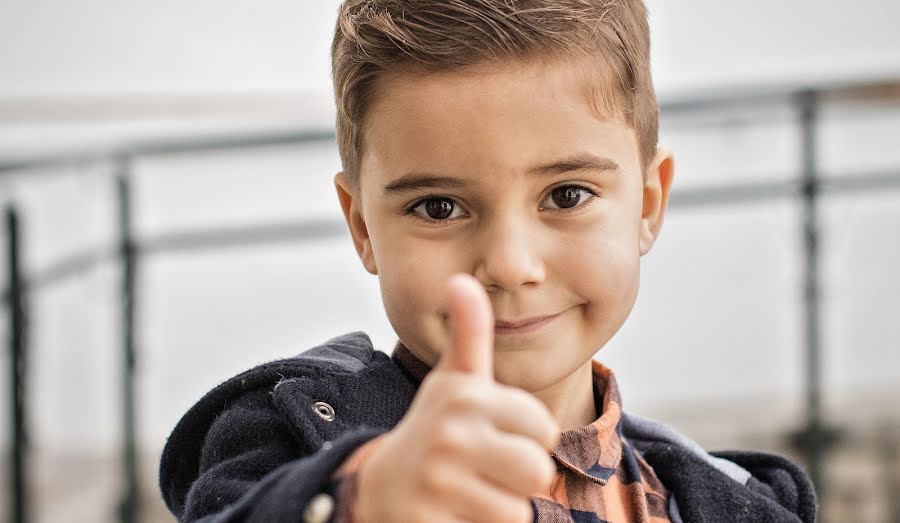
{"type": "Point", "coordinates": [435, 482]}
{"type": "Point", "coordinates": [450, 436]}
{"type": "Point", "coordinates": [468, 397]}
{"type": "Point", "coordinates": [541, 413]}
{"type": "Point", "coordinates": [539, 471]}
{"type": "Point", "coordinates": [551, 438]}
{"type": "Point", "coordinates": [549, 470]}
{"type": "Point", "coordinates": [542, 474]}
{"type": "Point", "coordinates": [535, 406]}
{"type": "Point", "coordinates": [551, 426]}
{"type": "Point", "coordinates": [514, 511]}
{"type": "Point", "coordinates": [430, 482]}
{"type": "Point", "coordinates": [524, 512]}
{"type": "Point", "coordinates": [546, 431]}
{"type": "Point", "coordinates": [531, 480]}
{"type": "Point", "coordinates": [540, 477]}
{"type": "Point", "coordinates": [433, 389]}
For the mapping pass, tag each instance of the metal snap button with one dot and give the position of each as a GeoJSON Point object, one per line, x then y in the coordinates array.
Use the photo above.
{"type": "Point", "coordinates": [320, 508]}
{"type": "Point", "coordinates": [324, 410]}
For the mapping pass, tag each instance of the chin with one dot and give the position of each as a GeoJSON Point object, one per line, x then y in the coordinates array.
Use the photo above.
{"type": "Point", "coordinates": [526, 370]}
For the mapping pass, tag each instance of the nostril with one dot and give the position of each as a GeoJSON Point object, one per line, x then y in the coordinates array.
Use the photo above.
{"type": "Point", "coordinates": [492, 288]}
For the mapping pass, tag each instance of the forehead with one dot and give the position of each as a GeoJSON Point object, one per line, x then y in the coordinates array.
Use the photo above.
{"type": "Point", "coordinates": [490, 119]}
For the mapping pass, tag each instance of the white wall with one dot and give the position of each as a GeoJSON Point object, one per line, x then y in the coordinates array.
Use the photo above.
{"type": "Point", "coordinates": [202, 46]}
{"type": "Point", "coordinates": [702, 43]}
{"type": "Point", "coordinates": [197, 46]}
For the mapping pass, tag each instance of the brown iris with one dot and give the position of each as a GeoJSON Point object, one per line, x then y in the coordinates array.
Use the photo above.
{"type": "Point", "coordinates": [566, 197]}
{"type": "Point", "coordinates": [439, 208]}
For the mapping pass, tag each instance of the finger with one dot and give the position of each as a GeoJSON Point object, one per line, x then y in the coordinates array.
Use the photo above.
{"type": "Point", "coordinates": [514, 463]}
{"type": "Point", "coordinates": [518, 412]}
{"type": "Point", "coordinates": [471, 328]}
{"type": "Point", "coordinates": [490, 504]}
{"type": "Point", "coordinates": [471, 498]}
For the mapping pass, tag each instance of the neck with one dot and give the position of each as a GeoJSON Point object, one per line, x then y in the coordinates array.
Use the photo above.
{"type": "Point", "coordinates": [571, 400]}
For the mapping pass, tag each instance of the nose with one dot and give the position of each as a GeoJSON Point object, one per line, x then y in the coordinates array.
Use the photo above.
{"type": "Point", "coordinates": [509, 256]}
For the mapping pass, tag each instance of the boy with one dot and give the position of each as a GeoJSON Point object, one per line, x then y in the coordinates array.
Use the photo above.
{"type": "Point", "coordinates": [501, 178]}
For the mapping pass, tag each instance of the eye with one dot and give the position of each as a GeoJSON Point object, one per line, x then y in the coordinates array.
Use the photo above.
{"type": "Point", "coordinates": [437, 208]}
{"type": "Point", "coordinates": [567, 197]}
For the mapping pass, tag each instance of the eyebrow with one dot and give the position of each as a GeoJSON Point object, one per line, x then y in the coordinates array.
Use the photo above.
{"type": "Point", "coordinates": [578, 162]}
{"type": "Point", "coordinates": [422, 180]}
{"type": "Point", "coordinates": [427, 180]}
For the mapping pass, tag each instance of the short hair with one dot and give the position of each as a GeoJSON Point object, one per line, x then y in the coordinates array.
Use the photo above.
{"type": "Point", "coordinates": [376, 38]}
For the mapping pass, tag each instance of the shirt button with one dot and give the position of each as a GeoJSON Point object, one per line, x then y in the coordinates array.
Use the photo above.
{"type": "Point", "coordinates": [324, 410]}
{"type": "Point", "coordinates": [319, 509]}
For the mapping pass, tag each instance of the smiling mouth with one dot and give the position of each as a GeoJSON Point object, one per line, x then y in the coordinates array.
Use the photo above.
{"type": "Point", "coordinates": [524, 326]}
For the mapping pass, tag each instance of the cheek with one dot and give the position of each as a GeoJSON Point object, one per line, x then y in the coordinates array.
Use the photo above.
{"type": "Point", "coordinates": [609, 268]}
{"type": "Point", "coordinates": [606, 271]}
{"type": "Point", "coordinates": [413, 275]}
{"type": "Point", "coordinates": [404, 289]}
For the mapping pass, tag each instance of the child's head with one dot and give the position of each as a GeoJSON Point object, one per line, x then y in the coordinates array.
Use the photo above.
{"type": "Point", "coordinates": [512, 140]}
{"type": "Point", "coordinates": [377, 39]}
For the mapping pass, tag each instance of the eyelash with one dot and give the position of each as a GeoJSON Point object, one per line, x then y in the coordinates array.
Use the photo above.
{"type": "Point", "coordinates": [411, 209]}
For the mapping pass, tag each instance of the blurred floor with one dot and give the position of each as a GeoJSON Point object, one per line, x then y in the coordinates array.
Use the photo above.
{"type": "Point", "coordinates": [86, 490]}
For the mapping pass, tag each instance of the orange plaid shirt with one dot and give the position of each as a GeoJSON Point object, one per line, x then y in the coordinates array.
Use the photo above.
{"type": "Point", "coordinates": [599, 476]}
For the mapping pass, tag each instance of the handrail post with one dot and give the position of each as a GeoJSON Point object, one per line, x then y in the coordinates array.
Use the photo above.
{"type": "Point", "coordinates": [129, 504]}
{"type": "Point", "coordinates": [810, 184]}
{"type": "Point", "coordinates": [16, 307]}
{"type": "Point", "coordinates": [815, 438]}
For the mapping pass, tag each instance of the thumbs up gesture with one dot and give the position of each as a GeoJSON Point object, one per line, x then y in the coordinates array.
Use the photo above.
{"type": "Point", "coordinates": [468, 449]}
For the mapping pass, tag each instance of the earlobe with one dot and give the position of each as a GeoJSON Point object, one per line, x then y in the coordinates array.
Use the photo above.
{"type": "Point", "coordinates": [350, 203]}
{"type": "Point", "coordinates": [656, 197]}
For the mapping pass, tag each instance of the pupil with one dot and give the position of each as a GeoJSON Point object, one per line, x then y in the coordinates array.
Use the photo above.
{"type": "Point", "coordinates": [566, 197]}
{"type": "Point", "coordinates": [439, 209]}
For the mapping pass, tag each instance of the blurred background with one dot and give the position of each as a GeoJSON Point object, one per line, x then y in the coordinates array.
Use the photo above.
{"type": "Point", "coordinates": [169, 220]}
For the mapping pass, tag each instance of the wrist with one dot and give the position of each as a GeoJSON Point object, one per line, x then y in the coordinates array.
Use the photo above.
{"type": "Point", "coordinates": [368, 499]}
{"type": "Point", "coordinates": [357, 492]}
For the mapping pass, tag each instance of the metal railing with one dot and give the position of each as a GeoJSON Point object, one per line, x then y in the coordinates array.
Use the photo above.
{"type": "Point", "coordinates": [813, 438]}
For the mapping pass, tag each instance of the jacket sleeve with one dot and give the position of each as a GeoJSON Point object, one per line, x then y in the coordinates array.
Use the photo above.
{"type": "Point", "coordinates": [252, 468]}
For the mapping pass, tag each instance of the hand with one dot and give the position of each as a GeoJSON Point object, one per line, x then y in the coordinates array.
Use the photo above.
{"type": "Point", "coordinates": [468, 449]}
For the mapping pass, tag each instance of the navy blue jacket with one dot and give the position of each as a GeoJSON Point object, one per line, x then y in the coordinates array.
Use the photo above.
{"type": "Point", "coordinates": [258, 447]}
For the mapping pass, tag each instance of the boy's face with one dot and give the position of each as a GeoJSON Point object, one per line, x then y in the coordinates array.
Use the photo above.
{"type": "Point", "coordinates": [509, 176]}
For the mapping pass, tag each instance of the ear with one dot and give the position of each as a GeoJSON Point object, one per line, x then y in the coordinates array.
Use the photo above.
{"type": "Point", "coordinates": [352, 207]}
{"type": "Point", "coordinates": [656, 197]}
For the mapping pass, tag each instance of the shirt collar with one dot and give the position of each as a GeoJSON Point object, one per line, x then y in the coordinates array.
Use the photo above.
{"type": "Point", "coordinates": [592, 451]}
{"type": "Point", "coordinates": [410, 364]}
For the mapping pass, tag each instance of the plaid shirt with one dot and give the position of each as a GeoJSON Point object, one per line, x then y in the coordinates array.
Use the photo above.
{"type": "Point", "coordinates": [598, 474]}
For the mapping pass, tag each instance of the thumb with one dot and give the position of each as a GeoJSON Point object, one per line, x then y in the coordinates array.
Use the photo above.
{"type": "Point", "coordinates": [471, 328]}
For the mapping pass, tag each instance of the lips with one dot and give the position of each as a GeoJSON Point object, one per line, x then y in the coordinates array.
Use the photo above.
{"type": "Point", "coordinates": [523, 326]}
{"type": "Point", "coordinates": [521, 323]}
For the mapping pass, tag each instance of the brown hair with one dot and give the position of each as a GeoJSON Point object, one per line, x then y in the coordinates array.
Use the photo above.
{"type": "Point", "coordinates": [376, 38]}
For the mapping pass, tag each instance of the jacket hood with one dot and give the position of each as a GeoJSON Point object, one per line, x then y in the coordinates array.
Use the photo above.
{"type": "Point", "coordinates": [181, 456]}
{"type": "Point", "coordinates": [734, 486]}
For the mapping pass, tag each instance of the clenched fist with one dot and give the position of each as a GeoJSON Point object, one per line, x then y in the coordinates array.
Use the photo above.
{"type": "Point", "coordinates": [468, 449]}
